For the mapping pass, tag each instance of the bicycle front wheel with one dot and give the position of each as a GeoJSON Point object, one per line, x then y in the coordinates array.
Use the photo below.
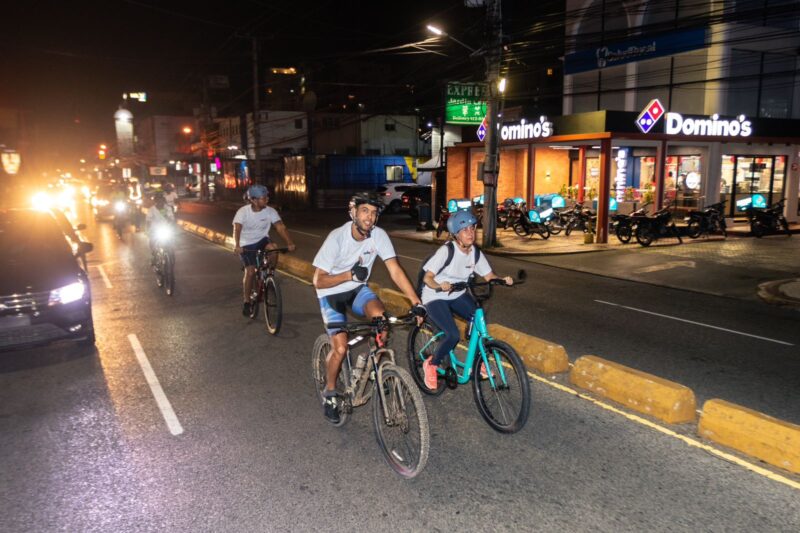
{"type": "Point", "coordinates": [401, 422]}
{"type": "Point", "coordinates": [422, 344]}
{"type": "Point", "coordinates": [503, 396]}
{"type": "Point", "coordinates": [169, 274]}
{"type": "Point", "coordinates": [272, 305]}
{"type": "Point", "coordinates": [319, 354]}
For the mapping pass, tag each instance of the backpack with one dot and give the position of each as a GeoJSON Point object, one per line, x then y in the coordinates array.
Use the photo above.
{"type": "Point", "coordinates": [451, 250]}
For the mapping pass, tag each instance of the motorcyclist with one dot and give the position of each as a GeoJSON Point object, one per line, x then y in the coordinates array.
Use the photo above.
{"type": "Point", "coordinates": [158, 215]}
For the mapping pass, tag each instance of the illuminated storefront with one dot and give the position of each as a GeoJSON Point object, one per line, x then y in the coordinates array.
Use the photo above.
{"type": "Point", "coordinates": [627, 159]}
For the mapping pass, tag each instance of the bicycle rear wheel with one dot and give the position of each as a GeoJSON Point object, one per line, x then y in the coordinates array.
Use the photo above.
{"type": "Point", "coordinates": [273, 306]}
{"type": "Point", "coordinates": [169, 274]}
{"type": "Point", "coordinates": [504, 397]}
{"type": "Point", "coordinates": [401, 422]}
{"type": "Point", "coordinates": [159, 269]}
{"type": "Point", "coordinates": [322, 346]}
{"type": "Point", "coordinates": [421, 346]}
{"type": "Point", "coordinates": [257, 295]}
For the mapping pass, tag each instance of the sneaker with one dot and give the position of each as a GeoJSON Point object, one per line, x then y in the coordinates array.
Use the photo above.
{"type": "Point", "coordinates": [331, 408]}
{"type": "Point", "coordinates": [484, 374]}
{"type": "Point", "coordinates": [246, 309]}
{"type": "Point", "coordinates": [431, 374]}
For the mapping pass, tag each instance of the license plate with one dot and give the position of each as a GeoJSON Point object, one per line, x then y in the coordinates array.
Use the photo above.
{"type": "Point", "coordinates": [10, 322]}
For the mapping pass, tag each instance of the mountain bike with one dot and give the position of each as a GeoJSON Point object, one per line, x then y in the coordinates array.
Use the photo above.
{"type": "Point", "coordinates": [501, 389]}
{"type": "Point", "coordinates": [267, 290]}
{"type": "Point", "coordinates": [164, 258]}
{"type": "Point", "coordinates": [398, 412]}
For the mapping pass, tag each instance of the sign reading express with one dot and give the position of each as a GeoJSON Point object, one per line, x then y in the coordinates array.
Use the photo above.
{"type": "Point", "coordinates": [465, 103]}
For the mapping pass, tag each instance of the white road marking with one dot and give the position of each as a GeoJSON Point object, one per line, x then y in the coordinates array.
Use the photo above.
{"type": "Point", "coordinates": [696, 323]}
{"type": "Point", "coordinates": [666, 266]}
{"type": "Point", "coordinates": [158, 393]}
{"type": "Point", "coordinates": [304, 233]}
{"type": "Point", "coordinates": [105, 277]}
{"type": "Point", "coordinates": [411, 258]}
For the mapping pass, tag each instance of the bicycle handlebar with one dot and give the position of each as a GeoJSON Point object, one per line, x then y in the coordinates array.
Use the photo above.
{"type": "Point", "coordinates": [463, 285]}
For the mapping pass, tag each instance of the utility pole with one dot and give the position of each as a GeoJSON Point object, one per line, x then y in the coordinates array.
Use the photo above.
{"type": "Point", "coordinates": [491, 165]}
{"type": "Point", "coordinates": [256, 115]}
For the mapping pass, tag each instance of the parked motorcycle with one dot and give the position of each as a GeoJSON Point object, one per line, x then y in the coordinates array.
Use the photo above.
{"type": "Point", "coordinates": [764, 220]}
{"type": "Point", "coordinates": [707, 221]}
{"type": "Point", "coordinates": [656, 226]}
{"type": "Point", "coordinates": [581, 218]}
{"type": "Point", "coordinates": [530, 225]}
{"type": "Point", "coordinates": [624, 226]}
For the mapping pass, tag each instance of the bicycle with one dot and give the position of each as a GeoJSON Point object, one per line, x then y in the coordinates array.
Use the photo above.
{"type": "Point", "coordinates": [267, 290]}
{"type": "Point", "coordinates": [399, 414]}
{"type": "Point", "coordinates": [164, 264]}
{"type": "Point", "coordinates": [503, 399]}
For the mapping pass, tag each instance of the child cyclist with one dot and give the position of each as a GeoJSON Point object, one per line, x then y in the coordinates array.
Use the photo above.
{"type": "Point", "coordinates": [453, 262]}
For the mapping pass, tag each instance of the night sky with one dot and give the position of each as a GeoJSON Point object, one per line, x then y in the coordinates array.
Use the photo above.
{"type": "Point", "coordinates": [68, 63]}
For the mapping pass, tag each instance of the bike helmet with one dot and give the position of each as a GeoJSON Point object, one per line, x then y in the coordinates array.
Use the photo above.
{"type": "Point", "coordinates": [257, 191]}
{"type": "Point", "coordinates": [460, 220]}
{"type": "Point", "coordinates": [370, 198]}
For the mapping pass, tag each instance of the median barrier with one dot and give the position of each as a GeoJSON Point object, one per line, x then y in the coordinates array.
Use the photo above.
{"type": "Point", "coordinates": [296, 266]}
{"type": "Point", "coordinates": [772, 440]}
{"type": "Point", "coordinates": [539, 354]}
{"type": "Point", "coordinates": [662, 399]}
{"type": "Point", "coordinates": [394, 301]}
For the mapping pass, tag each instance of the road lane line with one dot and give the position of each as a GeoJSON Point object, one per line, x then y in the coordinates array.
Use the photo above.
{"type": "Point", "coordinates": [411, 258]}
{"type": "Point", "coordinates": [158, 393]}
{"type": "Point", "coordinates": [105, 277]}
{"type": "Point", "coordinates": [666, 431]}
{"type": "Point", "coordinates": [696, 323]}
{"type": "Point", "coordinates": [304, 233]}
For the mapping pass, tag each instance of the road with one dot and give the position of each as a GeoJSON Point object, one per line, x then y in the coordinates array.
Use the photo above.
{"type": "Point", "coordinates": [238, 442]}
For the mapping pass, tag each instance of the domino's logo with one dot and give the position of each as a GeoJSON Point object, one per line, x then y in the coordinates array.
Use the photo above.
{"type": "Point", "coordinates": [648, 118]}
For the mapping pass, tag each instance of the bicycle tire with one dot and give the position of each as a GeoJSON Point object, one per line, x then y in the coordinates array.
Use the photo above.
{"type": "Point", "coordinates": [273, 305]}
{"type": "Point", "coordinates": [159, 270]}
{"type": "Point", "coordinates": [169, 274]}
{"type": "Point", "coordinates": [407, 458]}
{"type": "Point", "coordinates": [416, 342]}
{"type": "Point", "coordinates": [255, 303]}
{"type": "Point", "coordinates": [318, 367]}
{"type": "Point", "coordinates": [497, 417]}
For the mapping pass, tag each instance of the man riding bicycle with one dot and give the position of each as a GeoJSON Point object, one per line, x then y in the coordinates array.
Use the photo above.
{"type": "Point", "coordinates": [453, 262]}
{"type": "Point", "coordinates": [158, 214]}
{"type": "Point", "coordinates": [343, 266]}
{"type": "Point", "coordinates": [251, 226]}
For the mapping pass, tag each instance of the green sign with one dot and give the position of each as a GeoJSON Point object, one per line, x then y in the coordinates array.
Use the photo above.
{"type": "Point", "coordinates": [465, 103]}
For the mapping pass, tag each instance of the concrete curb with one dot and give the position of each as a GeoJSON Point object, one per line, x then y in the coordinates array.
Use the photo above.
{"type": "Point", "coordinates": [752, 433]}
{"type": "Point", "coordinates": [773, 441]}
{"type": "Point", "coordinates": [662, 399]}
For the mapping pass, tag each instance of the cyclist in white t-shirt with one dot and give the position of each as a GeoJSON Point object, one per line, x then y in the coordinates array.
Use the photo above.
{"type": "Point", "coordinates": [343, 266]}
{"type": "Point", "coordinates": [465, 260]}
{"type": "Point", "coordinates": [251, 226]}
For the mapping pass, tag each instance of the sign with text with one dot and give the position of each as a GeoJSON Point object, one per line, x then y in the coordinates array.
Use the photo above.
{"type": "Point", "coordinates": [465, 103]}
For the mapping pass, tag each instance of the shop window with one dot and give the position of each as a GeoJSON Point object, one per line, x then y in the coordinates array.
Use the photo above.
{"type": "Point", "coordinates": [746, 175]}
{"type": "Point", "coordinates": [683, 183]}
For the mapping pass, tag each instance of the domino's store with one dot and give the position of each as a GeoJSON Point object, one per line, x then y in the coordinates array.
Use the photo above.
{"type": "Point", "coordinates": [618, 160]}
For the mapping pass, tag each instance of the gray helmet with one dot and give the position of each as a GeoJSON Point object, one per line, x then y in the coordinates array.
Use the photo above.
{"type": "Point", "coordinates": [370, 198]}
{"type": "Point", "coordinates": [460, 220]}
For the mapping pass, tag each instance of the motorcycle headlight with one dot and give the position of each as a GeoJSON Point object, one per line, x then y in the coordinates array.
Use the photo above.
{"type": "Point", "coordinates": [163, 233]}
{"type": "Point", "coordinates": [67, 294]}
{"type": "Point", "coordinates": [120, 207]}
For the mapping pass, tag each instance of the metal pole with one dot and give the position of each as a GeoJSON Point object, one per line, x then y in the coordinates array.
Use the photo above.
{"type": "Point", "coordinates": [491, 167]}
{"type": "Point", "coordinates": [256, 116]}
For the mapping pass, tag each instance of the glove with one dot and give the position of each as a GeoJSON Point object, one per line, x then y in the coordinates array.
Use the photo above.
{"type": "Point", "coordinates": [419, 310]}
{"type": "Point", "coordinates": [359, 272]}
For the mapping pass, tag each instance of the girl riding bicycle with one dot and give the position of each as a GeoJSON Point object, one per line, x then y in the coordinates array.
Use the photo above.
{"type": "Point", "coordinates": [454, 262]}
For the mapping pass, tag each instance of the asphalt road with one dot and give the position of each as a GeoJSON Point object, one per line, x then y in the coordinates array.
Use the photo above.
{"type": "Point", "coordinates": [85, 446]}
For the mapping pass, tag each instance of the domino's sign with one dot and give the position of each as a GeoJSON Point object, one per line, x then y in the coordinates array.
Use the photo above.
{"type": "Point", "coordinates": [527, 130]}
{"type": "Point", "coordinates": [677, 124]}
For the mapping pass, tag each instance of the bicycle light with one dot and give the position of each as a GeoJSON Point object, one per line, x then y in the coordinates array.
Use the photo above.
{"type": "Point", "coordinates": [163, 233]}
{"type": "Point", "coordinates": [119, 207]}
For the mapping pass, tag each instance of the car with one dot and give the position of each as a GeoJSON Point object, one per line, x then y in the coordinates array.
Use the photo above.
{"type": "Point", "coordinates": [101, 201]}
{"type": "Point", "coordinates": [391, 194]}
{"type": "Point", "coordinates": [413, 197]}
{"type": "Point", "coordinates": [79, 246]}
{"type": "Point", "coordinates": [44, 292]}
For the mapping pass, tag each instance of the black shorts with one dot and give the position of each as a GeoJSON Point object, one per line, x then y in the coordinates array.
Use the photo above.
{"type": "Point", "coordinates": [249, 253]}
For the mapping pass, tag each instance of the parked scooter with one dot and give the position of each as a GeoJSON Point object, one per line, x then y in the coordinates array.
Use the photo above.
{"type": "Point", "coordinates": [582, 219]}
{"type": "Point", "coordinates": [530, 225]}
{"type": "Point", "coordinates": [709, 220]}
{"type": "Point", "coordinates": [656, 226]}
{"type": "Point", "coordinates": [764, 220]}
{"type": "Point", "coordinates": [624, 226]}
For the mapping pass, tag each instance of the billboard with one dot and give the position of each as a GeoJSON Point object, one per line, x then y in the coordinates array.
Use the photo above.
{"type": "Point", "coordinates": [465, 103]}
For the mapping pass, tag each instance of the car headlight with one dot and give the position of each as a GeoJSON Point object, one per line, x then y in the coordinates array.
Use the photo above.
{"type": "Point", "coordinates": [41, 201]}
{"type": "Point", "coordinates": [120, 207]}
{"type": "Point", "coordinates": [67, 294]}
{"type": "Point", "coordinates": [163, 233]}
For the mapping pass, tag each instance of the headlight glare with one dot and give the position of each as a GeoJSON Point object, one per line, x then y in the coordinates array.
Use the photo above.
{"type": "Point", "coordinates": [67, 294]}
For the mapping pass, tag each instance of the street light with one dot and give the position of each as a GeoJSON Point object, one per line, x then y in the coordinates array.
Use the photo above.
{"type": "Point", "coordinates": [187, 130]}
{"type": "Point", "coordinates": [438, 31]}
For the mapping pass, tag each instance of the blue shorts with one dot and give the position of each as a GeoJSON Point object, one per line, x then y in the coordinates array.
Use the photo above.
{"type": "Point", "coordinates": [334, 306]}
{"type": "Point", "coordinates": [249, 253]}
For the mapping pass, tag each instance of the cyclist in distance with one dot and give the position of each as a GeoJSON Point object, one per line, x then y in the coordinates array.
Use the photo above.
{"type": "Point", "coordinates": [159, 213]}
{"type": "Point", "coordinates": [343, 266]}
{"type": "Point", "coordinates": [251, 226]}
{"type": "Point", "coordinates": [453, 262]}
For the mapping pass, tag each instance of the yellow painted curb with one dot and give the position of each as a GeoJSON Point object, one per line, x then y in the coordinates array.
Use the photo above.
{"type": "Point", "coordinates": [772, 440]}
{"type": "Point", "coordinates": [662, 399]}
{"type": "Point", "coordinates": [539, 354]}
{"type": "Point", "coordinates": [394, 301]}
{"type": "Point", "coordinates": [299, 267]}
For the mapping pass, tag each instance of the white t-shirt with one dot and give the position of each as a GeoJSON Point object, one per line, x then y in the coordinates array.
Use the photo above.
{"type": "Point", "coordinates": [340, 252]}
{"type": "Point", "coordinates": [255, 224]}
{"type": "Point", "coordinates": [170, 198]}
{"type": "Point", "coordinates": [459, 270]}
{"type": "Point", "coordinates": [156, 217]}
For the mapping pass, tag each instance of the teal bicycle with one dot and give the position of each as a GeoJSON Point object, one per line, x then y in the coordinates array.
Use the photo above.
{"type": "Point", "coordinates": [501, 390]}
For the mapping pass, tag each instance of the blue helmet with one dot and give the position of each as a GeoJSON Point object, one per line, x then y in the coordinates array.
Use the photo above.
{"type": "Point", "coordinates": [460, 220]}
{"type": "Point", "coordinates": [257, 191]}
